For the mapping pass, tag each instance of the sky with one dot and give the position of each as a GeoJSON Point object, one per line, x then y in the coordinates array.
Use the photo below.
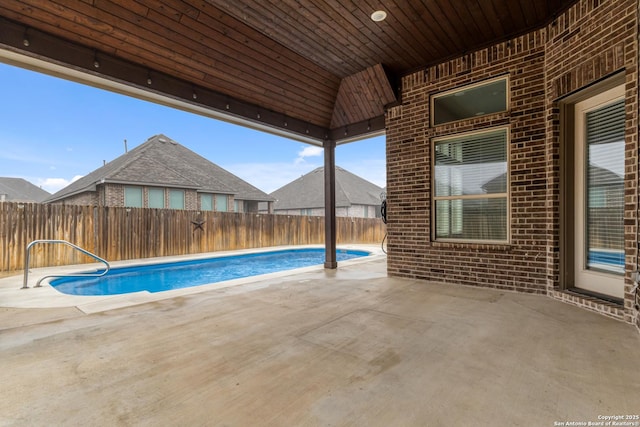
{"type": "Point", "coordinates": [53, 131]}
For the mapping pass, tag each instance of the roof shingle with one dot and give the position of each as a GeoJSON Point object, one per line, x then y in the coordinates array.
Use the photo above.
{"type": "Point", "coordinates": [21, 190]}
{"type": "Point", "coordinates": [307, 192]}
{"type": "Point", "coordinates": [161, 161]}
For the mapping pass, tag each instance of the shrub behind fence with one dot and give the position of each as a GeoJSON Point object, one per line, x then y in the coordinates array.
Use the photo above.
{"type": "Point", "coordinates": [128, 233]}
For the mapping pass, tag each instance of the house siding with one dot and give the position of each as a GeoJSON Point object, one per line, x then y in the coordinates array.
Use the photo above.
{"type": "Point", "coordinates": [591, 40]}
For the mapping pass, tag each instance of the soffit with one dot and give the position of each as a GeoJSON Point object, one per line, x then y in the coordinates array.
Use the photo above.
{"type": "Point", "coordinates": [313, 69]}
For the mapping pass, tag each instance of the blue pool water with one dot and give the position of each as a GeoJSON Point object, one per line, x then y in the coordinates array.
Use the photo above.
{"type": "Point", "coordinates": [607, 257]}
{"type": "Point", "coordinates": [183, 274]}
{"type": "Point", "coordinates": [608, 260]}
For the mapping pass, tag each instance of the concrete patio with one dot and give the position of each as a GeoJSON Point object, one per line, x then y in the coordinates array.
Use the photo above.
{"type": "Point", "coordinates": [350, 347]}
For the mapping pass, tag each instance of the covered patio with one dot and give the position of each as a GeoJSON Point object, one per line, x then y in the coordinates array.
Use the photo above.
{"type": "Point", "coordinates": [324, 73]}
{"type": "Point", "coordinates": [450, 329]}
{"type": "Point", "coordinates": [345, 347]}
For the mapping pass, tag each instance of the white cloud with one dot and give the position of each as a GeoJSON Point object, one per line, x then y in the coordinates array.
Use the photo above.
{"type": "Point", "coordinates": [269, 177]}
{"type": "Point", "coordinates": [53, 185]}
{"type": "Point", "coordinates": [310, 151]}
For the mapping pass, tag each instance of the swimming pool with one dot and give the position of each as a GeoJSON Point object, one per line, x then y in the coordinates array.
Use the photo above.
{"type": "Point", "coordinates": [183, 274]}
{"type": "Point", "coordinates": [607, 260]}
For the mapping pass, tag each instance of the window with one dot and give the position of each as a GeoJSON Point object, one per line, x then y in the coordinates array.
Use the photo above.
{"type": "Point", "coordinates": [221, 202]}
{"type": "Point", "coordinates": [604, 167]}
{"type": "Point", "coordinates": [470, 101]}
{"type": "Point", "coordinates": [236, 206]}
{"type": "Point", "coordinates": [471, 186]}
{"type": "Point", "coordinates": [133, 197]}
{"type": "Point", "coordinates": [176, 199]}
{"type": "Point", "coordinates": [206, 202]}
{"type": "Point", "coordinates": [156, 198]}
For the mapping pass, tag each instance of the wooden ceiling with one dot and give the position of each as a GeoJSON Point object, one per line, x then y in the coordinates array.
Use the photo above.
{"type": "Point", "coordinates": [313, 69]}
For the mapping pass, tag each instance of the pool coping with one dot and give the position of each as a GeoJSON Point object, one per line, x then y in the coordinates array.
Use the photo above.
{"type": "Point", "coordinates": [12, 295]}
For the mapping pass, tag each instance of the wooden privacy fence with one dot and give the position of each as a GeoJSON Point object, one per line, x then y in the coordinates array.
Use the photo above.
{"type": "Point", "coordinates": [128, 233]}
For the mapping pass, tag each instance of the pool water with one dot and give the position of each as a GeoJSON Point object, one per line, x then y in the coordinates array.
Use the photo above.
{"type": "Point", "coordinates": [607, 260]}
{"type": "Point", "coordinates": [183, 274]}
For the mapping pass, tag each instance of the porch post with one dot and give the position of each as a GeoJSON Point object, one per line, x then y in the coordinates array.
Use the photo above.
{"type": "Point", "coordinates": [330, 204]}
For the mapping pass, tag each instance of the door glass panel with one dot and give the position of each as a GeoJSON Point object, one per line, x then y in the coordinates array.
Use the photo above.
{"type": "Point", "coordinates": [604, 190]}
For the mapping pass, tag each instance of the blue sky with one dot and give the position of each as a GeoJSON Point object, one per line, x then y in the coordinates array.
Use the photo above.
{"type": "Point", "coordinates": [53, 131]}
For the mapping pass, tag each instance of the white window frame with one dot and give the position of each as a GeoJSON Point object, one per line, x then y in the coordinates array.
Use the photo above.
{"type": "Point", "coordinates": [461, 197]}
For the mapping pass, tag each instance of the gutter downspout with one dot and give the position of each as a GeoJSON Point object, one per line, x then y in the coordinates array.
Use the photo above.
{"type": "Point", "coordinates": [330, 204]}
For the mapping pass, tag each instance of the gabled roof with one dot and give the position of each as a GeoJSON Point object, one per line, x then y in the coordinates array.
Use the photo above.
{"type": "Point", "coordinates": [21, 190]}
{"type": "Point", "coordinates": [307, 191]}
{"type": "Point", "coordinates": [162, 162]}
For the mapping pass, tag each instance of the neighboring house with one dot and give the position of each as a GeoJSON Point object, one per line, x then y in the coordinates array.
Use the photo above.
{"type": "Point", "coordinates": [21, 190]}
{"type": "Point", "coordinates": [161, 173]}
{"type": "Point", "coordinates": [355, 197]}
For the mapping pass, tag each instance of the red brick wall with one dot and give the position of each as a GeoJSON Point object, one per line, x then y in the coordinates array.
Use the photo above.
{"type": "Point", "coordinates": [591, 40]}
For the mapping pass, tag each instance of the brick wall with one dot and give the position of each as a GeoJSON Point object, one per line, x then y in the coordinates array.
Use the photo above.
{"type": "Point", "coordinates": [113, 195]}
{"type": "Point", "coordinates": [88, 198]}
{"type": "Point", "coordinates": [519, 266]}
{"type": "Point", "coordinates": [591, 40]}
{"type": "Point", "coordinates": [191, 201]}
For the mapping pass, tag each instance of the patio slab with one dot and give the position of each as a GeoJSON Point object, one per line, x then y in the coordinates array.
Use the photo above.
{"type": "Point", "coordinates": [349, 347]}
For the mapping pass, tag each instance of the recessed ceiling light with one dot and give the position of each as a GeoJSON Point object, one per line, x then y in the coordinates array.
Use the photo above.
{"type": "Point", "coordinates": [378, 15]}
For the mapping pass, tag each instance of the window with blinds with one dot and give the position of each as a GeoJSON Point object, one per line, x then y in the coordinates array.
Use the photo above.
{"type": "Point", "coordinates": [221, 203]}
{"type": "Point", "coordinates": [604, 130]}
{"type": "Point", "coordinates": [206, 202]}
{"type": "Point", "coordinates": [471, 186]}
{"type": "Point", "coordinates": [133, 197]}
{"type": "Point", "coordinates": [176, 199]}
{"type": "Point", "coordinates": [156, 198]}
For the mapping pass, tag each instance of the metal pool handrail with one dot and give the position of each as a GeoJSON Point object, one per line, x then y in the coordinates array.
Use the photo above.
{"type": "Point", "coordinates": [27, 256]}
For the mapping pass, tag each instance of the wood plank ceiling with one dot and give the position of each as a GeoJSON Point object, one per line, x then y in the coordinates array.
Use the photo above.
{"type": "Point", "coordinates": [314, 69]}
